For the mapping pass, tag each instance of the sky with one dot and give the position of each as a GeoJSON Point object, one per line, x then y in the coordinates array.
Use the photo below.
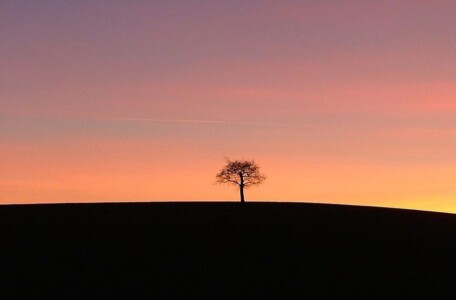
{"type": "Point", "coordinates": [347, 101]}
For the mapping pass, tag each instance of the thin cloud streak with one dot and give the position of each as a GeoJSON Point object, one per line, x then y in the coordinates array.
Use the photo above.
{"type": "Point", "coordinates": [189, 121]}
{"type": "Point", "coordinates": [157, 120]}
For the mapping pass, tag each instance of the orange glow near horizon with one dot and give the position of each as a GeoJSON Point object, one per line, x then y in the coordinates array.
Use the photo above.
{"type": "Point", "coordinates": [352, 102]}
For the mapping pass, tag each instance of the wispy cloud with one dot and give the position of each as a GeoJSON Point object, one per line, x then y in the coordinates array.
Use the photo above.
{"type": "Point", "coordinates": [194, 121]}
{"type": "Point", "coordinates": [156, 120]}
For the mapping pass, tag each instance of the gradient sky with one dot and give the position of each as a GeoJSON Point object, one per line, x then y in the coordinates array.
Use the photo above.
{"type": "Point", "coordinates": [347, 101]}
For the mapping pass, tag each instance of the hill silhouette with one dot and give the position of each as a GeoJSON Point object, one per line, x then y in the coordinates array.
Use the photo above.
{"type": "Point", "coordinates": [224, 249]}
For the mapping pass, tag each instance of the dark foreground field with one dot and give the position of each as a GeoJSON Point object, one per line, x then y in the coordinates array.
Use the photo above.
{"type": "Point", "coordinates": [224, 250]}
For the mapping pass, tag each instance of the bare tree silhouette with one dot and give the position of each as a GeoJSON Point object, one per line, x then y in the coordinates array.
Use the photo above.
{"type": "Point", "coordinates": [243, 173]}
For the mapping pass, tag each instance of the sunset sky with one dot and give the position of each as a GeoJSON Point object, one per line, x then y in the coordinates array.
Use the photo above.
{"type": "Point", "coordinates": [350, 101]}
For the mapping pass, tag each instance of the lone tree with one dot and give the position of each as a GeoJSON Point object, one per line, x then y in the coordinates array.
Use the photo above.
{"type": "Point", "coordinates": [243, 173]}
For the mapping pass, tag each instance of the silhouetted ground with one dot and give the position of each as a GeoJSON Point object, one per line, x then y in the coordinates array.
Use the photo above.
{"type": "Point", "coordinates": [224, 250]}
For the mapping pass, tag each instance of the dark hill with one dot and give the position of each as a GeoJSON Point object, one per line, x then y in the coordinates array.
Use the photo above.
{"type": "Point", "coordinates": [222, 249]}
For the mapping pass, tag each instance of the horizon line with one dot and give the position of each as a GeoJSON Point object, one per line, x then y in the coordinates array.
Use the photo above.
{"type": "Point", "coordinates": [224, 201]}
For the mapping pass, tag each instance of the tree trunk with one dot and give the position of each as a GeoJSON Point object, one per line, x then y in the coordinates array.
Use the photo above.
{"type": "Point", "coordinates": [241, 188]}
